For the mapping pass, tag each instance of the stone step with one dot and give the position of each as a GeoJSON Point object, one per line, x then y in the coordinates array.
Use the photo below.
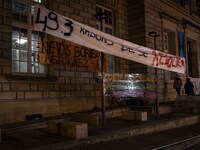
{"type": "Point", "coordinates": [188, 104]}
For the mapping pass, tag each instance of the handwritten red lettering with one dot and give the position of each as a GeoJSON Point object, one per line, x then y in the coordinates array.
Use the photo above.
{"type": "Point", "coordinates": [161, 59]}
{"type": "Point", "coordinates": [155, 59]}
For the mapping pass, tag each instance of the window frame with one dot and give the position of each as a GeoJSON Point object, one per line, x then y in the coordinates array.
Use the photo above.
{"type": "Point", "coordinates": [107, 26]}
{"type": "Point", "coordinates": [166, 42]}
{"type": "Point", "coordinates": [31, 64]}
{"type": "Point", "coordinates": [192, 57]}
{"type": "Point", "coordinates": [170, 46]}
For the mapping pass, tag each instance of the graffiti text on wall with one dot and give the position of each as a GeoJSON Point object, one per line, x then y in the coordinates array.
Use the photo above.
{"type": "Point", "coordinates": [67, 53]}
{"type": "Point", "coordinates": [130, 85]}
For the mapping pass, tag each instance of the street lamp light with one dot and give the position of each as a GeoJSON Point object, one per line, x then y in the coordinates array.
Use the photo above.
{"type": "Point", "coordinates": [154, 34]}
{"type": "Point", "coordinates": [102, 16]}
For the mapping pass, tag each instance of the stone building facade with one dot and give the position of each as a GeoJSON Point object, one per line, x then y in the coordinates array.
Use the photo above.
{"type": "Point", "coordinates": [28, 88]}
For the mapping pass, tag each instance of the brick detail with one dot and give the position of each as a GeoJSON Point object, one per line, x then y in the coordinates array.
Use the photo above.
{"type": "Point", "coordinates": [87, 87]}
{"type": "Point", "coordinates": [67, 87]}
{"type": "Point", "coordinates": [33, 94]}
{"type": "Point", "coordinates": [6, 87]}
{"type": "Point", "coordinates": [4, 61]}
{"type": "Point", "coordinates": [57, 94]}
{"type": "Point", "coordinates": [7, 95]}
{"type": "Point", "coordinates": [77, 80]}
{"type": "Point", "coordinates": [45, 87]}
{"type": "Point", "coordinates": [20, 95]}
{"type": "Point", "coordinates": [45, 94]}
{"type": "Point", "coordinates": [87, 74]}
{"type": "Point", "coordinates": [33, 87]}
{"type": "Point", "coordinates": [6, 70]}
{"type": "Point", "coordinates": [67, 74]}
{"type": "Point", "coordinates": [20, 87]}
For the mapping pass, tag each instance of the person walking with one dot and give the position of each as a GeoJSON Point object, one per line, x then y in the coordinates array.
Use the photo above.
{"type": "Point", "coordinates": [189, 87]}
{"type": "Point", "coordinates": [177, 84]}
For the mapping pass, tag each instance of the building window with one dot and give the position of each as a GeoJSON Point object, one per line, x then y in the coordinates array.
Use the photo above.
{"type": "Point", "coordinates": [25, 39]}
{"type": "Point", "coordinates": [107, 27]}
{"type": "Point", "coordinates": [184, 3]}
{"type": "Point", "coordinates": [169, 46]}
{"type": "Point", "coordinates": [41, 1]}
{"type": "Point", "coordinates": [166, 42]}
{"type": "Point", "coordinates": [169, 42]}
{"type": "Point", "coordinates": [192, 58]}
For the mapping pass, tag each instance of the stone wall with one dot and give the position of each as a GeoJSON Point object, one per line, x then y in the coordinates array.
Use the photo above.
{"type": "Point", "coordinates": [73, 89]}
{"type": "Point", "coordinates": [136, 25]}
{"type": "Point", "coordinates": [5, 36]}
{"type": "Point", "coordinates": [65, 89]}
{"type": "Point", "coordinates": [161, 15]}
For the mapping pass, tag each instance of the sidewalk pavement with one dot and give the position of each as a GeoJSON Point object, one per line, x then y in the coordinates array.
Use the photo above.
{"type": "Point", "coordinates": [116, 128]}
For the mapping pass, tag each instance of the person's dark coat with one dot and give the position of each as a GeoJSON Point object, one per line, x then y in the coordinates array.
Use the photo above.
{"type": "Point", "coordinates": [189, 87]}
{"type": "Point", "coordinates": [177, 84]}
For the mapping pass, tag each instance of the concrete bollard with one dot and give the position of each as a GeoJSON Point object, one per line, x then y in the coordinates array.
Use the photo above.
{"type": "Point", "coordinates": [135, 115]}
{"type": "Point", "coordinates": [76, 130]}
{"type": "Point", "coordinates": [90, 119]}
{"type": "Point", "coordinates": [53, 126]}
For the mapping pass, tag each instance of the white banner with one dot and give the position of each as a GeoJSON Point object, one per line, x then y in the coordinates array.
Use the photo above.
{"type": "Point", "coordinates": [57, 25]}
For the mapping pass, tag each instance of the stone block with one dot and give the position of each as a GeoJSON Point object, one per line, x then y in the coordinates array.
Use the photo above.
{"type": "Point", "coordinates": [33, 94]}
{"type": "Point", "coordinates": [6, 87]}
{"type": "Point", "coordinates": [142, 116]}
{"type": "Point", "coordinates": [91, 119]}
{"type": "Point", "coordinates": [149, 109]}
{"type": "Point", "coordinates": [7, 95]}
{"type": "Point", "coordinates": [77, 130]}
{"type": "Point", "coordinates": [128, 115]}
{"type": "Point", "coordinates": [114, 113]}
{"type": "Point", "coordinates": [135, 115]}
{"type": "Point", "coordinates": [53, 126]}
